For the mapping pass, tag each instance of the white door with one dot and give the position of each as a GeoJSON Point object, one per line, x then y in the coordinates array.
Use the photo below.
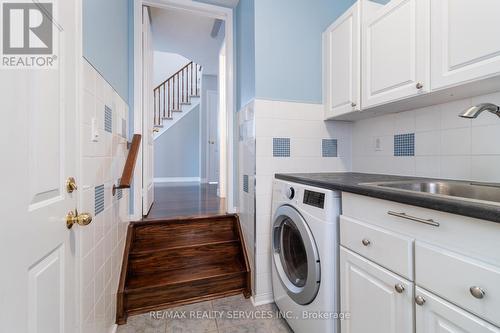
{"type": "Point", "coordinates": [213, 136]}
{"type": "Point", "coordinates": [342, 64]}
{"type": "Point", "coordinates": [379, 301]}
{"type": "Point", "coordinates": [40, 146]}
{"type": "Point", "coordinates": [148, 115]}
{"type": "Point", "coordinates": [436, 315]}
{"type": "Point", "coordinates": [396, 52]}
{"type": "Point", "coordinates": [465, 41]}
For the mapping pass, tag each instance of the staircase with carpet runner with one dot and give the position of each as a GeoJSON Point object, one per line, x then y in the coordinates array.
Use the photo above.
{"type": "Point", "coordinates": [179, 261]}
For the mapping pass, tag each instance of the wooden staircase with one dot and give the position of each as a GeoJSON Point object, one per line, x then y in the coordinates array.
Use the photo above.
{"type": "Point", "coordinates": [176, 91]}
{"type": "Point", "coordinates": [180, 261]}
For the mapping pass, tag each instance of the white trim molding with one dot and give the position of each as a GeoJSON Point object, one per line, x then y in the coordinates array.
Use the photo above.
{"type": "Point", "coordinates": [262, 299]}
{"type": "Point", "coordinates": [208, 10]}
{"type": "Point", "coordinates": [177, 179]}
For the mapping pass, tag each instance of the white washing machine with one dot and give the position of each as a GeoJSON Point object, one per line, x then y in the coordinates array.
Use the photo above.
{"type": "Point", "coordinates": [305, 250]}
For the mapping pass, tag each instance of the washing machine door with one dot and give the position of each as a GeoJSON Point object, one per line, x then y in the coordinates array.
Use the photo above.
{"type": "Point", "coordinates": [295, 255]}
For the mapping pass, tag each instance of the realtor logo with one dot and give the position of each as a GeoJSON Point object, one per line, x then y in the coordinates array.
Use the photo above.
{"type": "Point", "coordinates": [27, 34]}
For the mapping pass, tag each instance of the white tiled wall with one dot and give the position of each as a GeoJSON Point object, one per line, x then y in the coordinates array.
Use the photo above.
{"type": "Point", "coordinates": [446, 146]}
{"type": "Point", "coordinates": [101, 243]}
{"type": "Point", "coordinates": [246, 129]}
{"type": "Point", "coordinates": [303, 124]}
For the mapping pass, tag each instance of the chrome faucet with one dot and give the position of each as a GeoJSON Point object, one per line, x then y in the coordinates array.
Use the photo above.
{"type": "Point", "coordinates": [475, 110]}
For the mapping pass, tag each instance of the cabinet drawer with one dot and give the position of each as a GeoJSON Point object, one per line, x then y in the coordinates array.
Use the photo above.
{"type": "Point", "coordinates": [388, 249]}
{"type": "Point", "coordinates": [436, 316]}
{"type": "Point", "coordinates": [451, 276]}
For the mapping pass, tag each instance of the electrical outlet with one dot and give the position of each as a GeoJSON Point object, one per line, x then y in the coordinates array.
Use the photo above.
{"type": "Point", "coordinates": [94, 135]}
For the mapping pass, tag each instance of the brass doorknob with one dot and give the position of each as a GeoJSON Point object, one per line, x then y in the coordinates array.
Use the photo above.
{"type": "Point", "coordinates": [71, 185]}
{"type": "Point", "coordinates": [80, 219]}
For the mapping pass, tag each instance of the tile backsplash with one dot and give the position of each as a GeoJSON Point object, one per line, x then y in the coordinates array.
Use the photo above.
{"type": "Point", "coordinates": [444, 145]}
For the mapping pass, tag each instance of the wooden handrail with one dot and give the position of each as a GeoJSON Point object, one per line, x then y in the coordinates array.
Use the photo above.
{"type": "Point", "coordinates": [180, 70]}
{"type": "Point", "coordinates": [128, 169]}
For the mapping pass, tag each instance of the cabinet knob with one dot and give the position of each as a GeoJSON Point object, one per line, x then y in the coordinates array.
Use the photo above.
{"type": "Point", "coordinates": [353, 104]}
{"type": "Point", "coordinates": [477, 292]}
{"type": "Point", "coordinates": [420, 300]}
{"type": "Point", "coordinates": [366, 242]}
{"type": "Point", "coordinates": [419, 85]}
{"type": "Point", "coordinates": [399, 288]}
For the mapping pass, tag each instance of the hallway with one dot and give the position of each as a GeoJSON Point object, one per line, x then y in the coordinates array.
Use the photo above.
{"type": "Point", "coordinates": [186, 199]}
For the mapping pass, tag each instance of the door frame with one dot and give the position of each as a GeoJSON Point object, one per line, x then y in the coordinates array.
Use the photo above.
{"type": "Point", "coordinates": [213, 11]}
{"type": "Point", "coordinates": [207, 145]}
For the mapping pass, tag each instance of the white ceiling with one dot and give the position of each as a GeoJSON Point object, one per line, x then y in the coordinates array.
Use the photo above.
{"type": "Point", "coordinates": [187, 34]}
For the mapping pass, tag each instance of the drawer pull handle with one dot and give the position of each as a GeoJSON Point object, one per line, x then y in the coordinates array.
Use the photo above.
{"type": "Point", "coordinates": [399, 288]}
{"type": "Point", "coordinates": [366, 242]}
{"type": "Point", "coordinates": [420, 300]}
{"type": "Point", "coordinates": [415, 219]}
{"type": "Point", "coordinates": [477, 292]}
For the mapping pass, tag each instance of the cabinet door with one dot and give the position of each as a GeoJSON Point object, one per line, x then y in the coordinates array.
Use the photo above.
{"type": "Point", "coordinates": [436, 315]}
{"type": "Point", "coordinates": [396, 52]}
{"type": "Point", "coordinates": [465, 41]}
{"type": "Point", "coordinates": [342, 64]}
{"type": "Point", "coordinates": [368, 293]}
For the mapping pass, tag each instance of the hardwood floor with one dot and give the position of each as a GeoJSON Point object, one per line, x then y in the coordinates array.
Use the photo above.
{"type": "Point", "coordinates": [193, 199]}
{"type": "Point", "coordinates": [171, 262]}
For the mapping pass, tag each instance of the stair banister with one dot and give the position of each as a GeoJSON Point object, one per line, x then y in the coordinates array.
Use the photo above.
{"type": "Point", "coordinates": [128, 169]}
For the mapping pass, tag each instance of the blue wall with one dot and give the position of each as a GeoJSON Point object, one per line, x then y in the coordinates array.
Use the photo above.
{"type": "Point", "coordinates": [245, 52]}
{"type": "Point", "coordinates": [177, 151]}
{"type": "Point", "coordinates": [106, 41]}
{"type": "Point", "coordinates": [288, 47]}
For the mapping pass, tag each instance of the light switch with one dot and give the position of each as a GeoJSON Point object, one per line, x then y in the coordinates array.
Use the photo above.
{"type": "Point", "coordinates": [378, 144]}
{"type": "Point", "coordinates": [94, 135]}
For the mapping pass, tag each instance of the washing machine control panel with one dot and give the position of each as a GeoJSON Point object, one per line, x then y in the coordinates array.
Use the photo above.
{"type": "Point", "coordinates": [315, 199]}
{"type": "Point", "coordinates": [290, 193]}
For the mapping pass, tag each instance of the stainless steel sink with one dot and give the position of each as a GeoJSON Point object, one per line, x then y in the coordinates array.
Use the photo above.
{"type": "Point", "coordinates": [467, 190]}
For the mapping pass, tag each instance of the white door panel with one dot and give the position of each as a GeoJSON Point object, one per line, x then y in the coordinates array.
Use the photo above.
{"type": "Point", "coordinates": [39, 144]}
{"type": "Point", "coordinates": [213, 136]}
{"type": "Point", "coordinates": [465, 41]}
{"type": "Point", "coordinates": [148, 115]}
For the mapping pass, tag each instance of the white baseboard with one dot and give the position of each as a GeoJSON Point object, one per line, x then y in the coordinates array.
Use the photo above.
{"type": "Point", "coordinates": [176, 179]}
{"type": "Point", "coordinates": [113, 329]}
{"type": "Point", "coordinates": [258, 300]}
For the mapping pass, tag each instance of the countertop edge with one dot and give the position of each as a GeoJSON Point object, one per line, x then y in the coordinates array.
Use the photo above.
{"type": "Point", "coordinates": [454, 206]}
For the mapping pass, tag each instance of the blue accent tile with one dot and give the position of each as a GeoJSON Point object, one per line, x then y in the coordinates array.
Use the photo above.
{"type": "Point", "coordinates": [329, 147]}
{"type": "Point", "coordinates": [99, 199]}
{"type": "Point", "coordinates": [281, 147]}
{"type": "Point", "coordinates": [245, 183]}
{"type": "Point", "coordinates": [108, 119]}
{"type": "Point", "coordinates": [404, 144]}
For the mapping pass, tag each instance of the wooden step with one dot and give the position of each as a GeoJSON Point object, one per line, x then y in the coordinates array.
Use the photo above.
{"type": "Point", "coordinates": [183, 257]}
{"type": "Point", "coordinates": [183, 232]}
{"type": "Point", "coordinates": [181, 261]}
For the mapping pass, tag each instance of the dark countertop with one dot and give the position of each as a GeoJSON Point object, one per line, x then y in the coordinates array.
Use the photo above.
{"type": "Point", "coordinates": [350, 182]}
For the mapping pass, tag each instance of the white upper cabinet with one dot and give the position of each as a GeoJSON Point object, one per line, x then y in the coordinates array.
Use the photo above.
{"type": "Point", "coordinates": [465, 41]}
{"type": "Point", "coordinates": [341, 43]}
{"type": "Point", "coordinates": [395, 54]}
{"type": "Point", "coordinates": [342, 60]}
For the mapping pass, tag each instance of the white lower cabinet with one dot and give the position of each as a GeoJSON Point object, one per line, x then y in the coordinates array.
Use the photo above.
{"type": "Point", "coordinates": [377, 300]}
{"type": "Point", "coordinates": [436, 315]}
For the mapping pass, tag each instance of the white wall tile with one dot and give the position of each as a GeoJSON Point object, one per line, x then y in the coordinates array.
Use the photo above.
{"type": "Point", "coordinates": [456, 141]}
{"type": "Point", "coordinates": [486, 139]}
{"type": "Point", "coordinates": [428, 143]}
{"type": "Point", "coordinates": [98, 242]}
